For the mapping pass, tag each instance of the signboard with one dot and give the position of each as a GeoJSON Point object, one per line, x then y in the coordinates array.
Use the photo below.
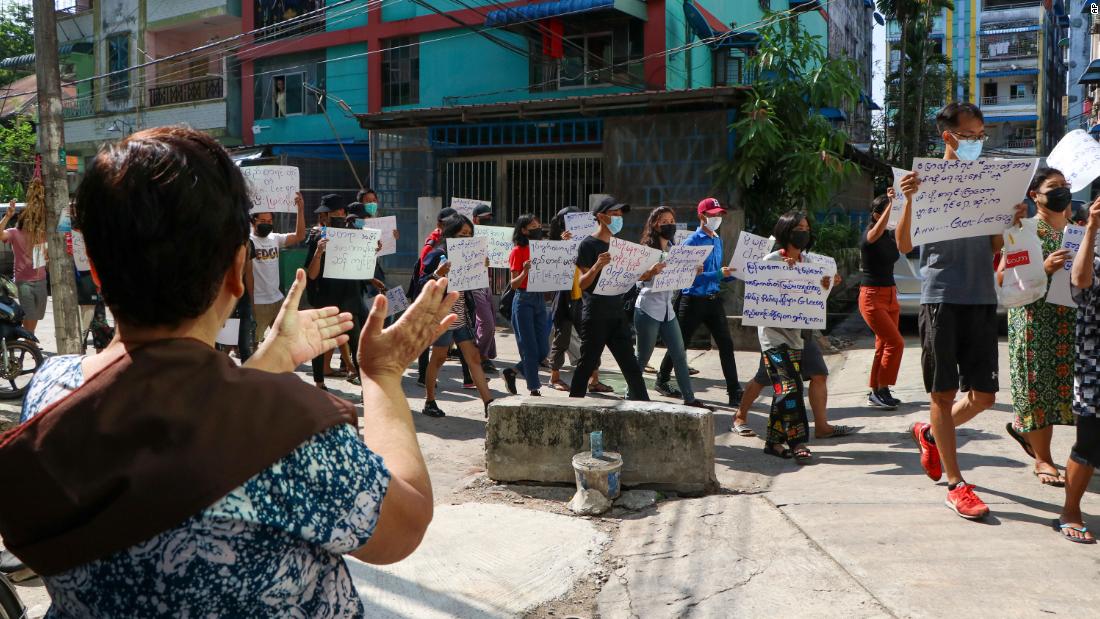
{"type": "Point", "coordinates": [386, 226]}
{"type": "Point", "coordinates": [781, 296]}
{"type": "Point", "coordinates": [628, 262]}
{"type": "Point", "coordinates": [230, 332]}
{"type": "Point", "coordinates": [272, 187]}
{"type": "Point", "coordinates": [466, 206]}
{"type": "Point", "coordinates": [1077, 156]}
{"type": "Point", "coordinates": [80, 253]}
{"type": "Point", "coordinates": [467, 258]}
{"type": "Point", "coordinates": [1059, 292]}
{"type": "Point", "coordinates": [397, 301]}
{"type": "Point", "coordinates": [552, 265]}
{"type": "Point", "coordinates": [351, 253]}
{"type": "Point", "coordinates": [750, 248]}
{"type": "Point", "coordinates": [500, 245]}
{"type": "Point", "coordinates": [581, 225]}
{"type": "Point", "coordinates": [681, 267]}
{"type": "Point", "coordinates": [899, 199]}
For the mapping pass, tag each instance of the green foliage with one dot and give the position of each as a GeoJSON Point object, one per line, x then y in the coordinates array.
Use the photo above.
{"type": "Point", "coordinates": [16, 37]}
{"type": "Point", "coordinates": [17, 148]}
{"type": "Point", "coordinates": [789, 157]}
{"type": "Point", "coordinates": [832, 238]}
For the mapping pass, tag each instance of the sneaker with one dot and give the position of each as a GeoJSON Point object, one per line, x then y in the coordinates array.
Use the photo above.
{"type": "Point", "coordinates": [536, 394]}
{"type": "Point", "coordinates": [469, 386]}
{"type": "Point", "coordinates": [667, 390]}
{"type": "Point", "coordinates": [649, 369]}
{"type": "Point", "coordinates": [692, 371]}
{"type": "Point", "coordinates": [885, 395]}
{"type": "Point", "coordinates": [431, 409]}
{"type": "Point", "coordinates": [929, 454]}
{"type": "Point", "coordinates": [965, 503]}
{"type": "Point", "coordinates": [354, 379]}
{"type": "Point", "coordinates": [698, 404]}
{"type": "Point", "coordinates": [874, 400]}
{"type": "Point", "coordinates": [489, 369]}
{"type": "Point", "coordinates": [510, 380]}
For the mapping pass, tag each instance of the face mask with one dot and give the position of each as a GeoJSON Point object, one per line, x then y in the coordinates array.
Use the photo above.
{"type": "Point", "coordinates": [969, 150]}
{"type": "Point", "coordinates": [668, 231]}
{"type": "Point", "coordinates": [1058, 199]}
{"type": "Point", "coordinates": [264, 229]}
{"type": "Point", "coordinates": [616, 225]}
{"type": "Point", "coordinates": [713, 223]}
{"type": "Point", "coordinates": [337, 222]}
{"type": "Point", "coordinates": [534, 235]}
{"type": "Point", "coordinates": [800, 239]}
{"type": "Point", "coordinates": [358, 223]}
{"type": "Point", "coordinates": [371, 208]}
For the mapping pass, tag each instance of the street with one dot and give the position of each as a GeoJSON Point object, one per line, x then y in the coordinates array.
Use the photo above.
{"type": "Point", "coordinates": [861, 532]}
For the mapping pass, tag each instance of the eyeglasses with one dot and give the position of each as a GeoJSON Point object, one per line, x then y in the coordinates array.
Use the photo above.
{"type": "Point", "coordinates": [981, 138]}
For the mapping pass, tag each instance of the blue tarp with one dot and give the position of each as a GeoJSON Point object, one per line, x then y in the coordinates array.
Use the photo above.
{"type": "Point", "coordinates": [703, 30]}
{"type": "Point", "coordinates": [543, 10]}
{"type": "Point", "coordinates": [357, 151]}
{"type": "Point", "coordinates": [832, 113]}
{"type": "Point", "coordinates": [1008, 73]}
{"type": "Point", "coordinates": [1010, 30]}
{"type": "Point", "coordinates": [1091, 74]}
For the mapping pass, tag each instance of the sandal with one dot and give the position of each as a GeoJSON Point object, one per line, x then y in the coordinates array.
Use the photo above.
{"type": "Point", "coordinates": [1058, 480]}
{"type": "Point", "coordinates": [559, 385]}
{"type": "Point", "coordinates": [1020, 439]}
{"type": "Point", "coordinates": [743, 429]}
{"type": "Point", "coordinates": [1060, 528]}
{"type": "Point", "coordinates": [769, 448]}
{"type": "Point", "coordinates": [838, 431]}
{"type": "Point", "coordinates": [802, 454]}
{"type": "Point", "coordinates": [600, 388]}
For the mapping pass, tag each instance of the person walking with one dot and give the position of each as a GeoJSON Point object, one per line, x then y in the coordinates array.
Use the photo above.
{"type": "Point", "coordinates": [1040, 339]}
{"type": "Point", "coordinates": [653, 311]}
{"type": "Point", "coordinates": [878, 304]}
{"type": "Point", "coordinates": [529, 320]}
{"type": "Point", "coordinates": [324, 292]}
{"type": "Point", "coordinates": [28, 239]}
{"type": "Point", "coordinates": [267, 245]}
{"type": "Point", "coordinates": [434, 238]}
{"type": "Point", "coordinates": [957, 321]}
{"type": "Point", "coordinates": [485, 334]}
{"type": "Point", "coordinates": [701, 304]}
{"type": "Point", "coordinates": [603, 317]}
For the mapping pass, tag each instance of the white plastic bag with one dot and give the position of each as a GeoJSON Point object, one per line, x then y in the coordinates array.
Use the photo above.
{"type": "Point", "coordinates": [1025, 278]}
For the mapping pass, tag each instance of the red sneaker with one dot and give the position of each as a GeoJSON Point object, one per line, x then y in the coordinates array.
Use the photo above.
{"type": "Point", "coordinates": [929, 454]}
{"type": "Point", "coordinates": [965, 503]}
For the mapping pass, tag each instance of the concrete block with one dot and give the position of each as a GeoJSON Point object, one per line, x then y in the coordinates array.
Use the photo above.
{"type": "Point", "coordinates": [663, 446]}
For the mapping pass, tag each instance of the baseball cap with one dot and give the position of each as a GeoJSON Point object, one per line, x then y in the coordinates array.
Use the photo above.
{"type": "Point", "coordinates": [445, 213]}
{"type": "Point", "coordinates": [481, 210]}
{"type": "Point", "coordinates": [711, 207]}
{"type": "Point", "coordinates": [329, 203]}
{"type": "Point", "coordinates": [610, 204]}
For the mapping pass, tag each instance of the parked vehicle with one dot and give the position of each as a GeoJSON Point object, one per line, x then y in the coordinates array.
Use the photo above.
{"type": "Point", "coordinates": [908, 279]}
{"type": "Point", "coordinates": [11, 607]}
{"type": "Point", "coordinates": [20, 356]}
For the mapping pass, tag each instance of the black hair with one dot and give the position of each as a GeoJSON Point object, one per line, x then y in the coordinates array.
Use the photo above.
{"type": "Point", "coordinates": [164, 213]}
{"type": "Point", "coordinates": [453, 225]}
{"type": "Point", "coordinates": [880, 204]}
{"type": "Point", "coordinates": [651, 237]}
{"type": "Point", "coordinates": [518, 237]}
{"type": "Point", "coordinates": [557, 223]}
{"type": "Point", "coordinates": [1041, 175]}
{"type": "Point", "coordinates": [949, 117]}
{"type": "Point", "coordinates": [785, 226]}
{"type": "Point", "coordinates": [363, 192]}
{"type": "Point", "coordinates": [254, 217]}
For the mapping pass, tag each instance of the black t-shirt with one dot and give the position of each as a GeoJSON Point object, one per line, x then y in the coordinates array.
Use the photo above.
{"type": "Point", "coordinates": [595, 305]}
{"type": "Point", "coordinates": [877, 259]}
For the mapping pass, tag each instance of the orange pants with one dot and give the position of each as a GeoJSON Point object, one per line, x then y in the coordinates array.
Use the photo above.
{"type": "Point", "coordinates": [880, 309]}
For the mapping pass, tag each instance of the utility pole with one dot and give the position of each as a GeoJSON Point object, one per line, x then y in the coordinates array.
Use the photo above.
{"type": "Point", "coordinates": [51, 140]}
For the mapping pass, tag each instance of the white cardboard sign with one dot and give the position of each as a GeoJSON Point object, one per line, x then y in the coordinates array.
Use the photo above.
{"type": "Point", "coordinates": [552, 265]}
{"type": "Point", "coordinates": [750, 248]}
{"type": "Point", "coordinates": [230, 332]}
{"type": "Point", "coordinates": [580, 225]}
{"type": "Point", "coordinates": [466, 206]}
{"type": "Point", "coordinates": [1059, 292]}
{"type": "Point", "coordinates": [682, 234]}
{"type": "Point", "coordinates": [628, 262]}
{"type": "Point", "coordinates": [781, 296]}
{"type": "Point", "coordinates": [898, 204]}
{"type": "Point", "coordinates": [272, 187]}
{"type": "Point", "coordinates": [387, 226]}
{"type": "Point", "coordinates": [80, 252]}
{"type": "Point", "coordinates": [499, 246]}
{"type": "Point", "coordinates": [467, 258]}
{"type": "Point", "coordinates": [38, 256]}
{"type": "Point", "coordinates": [398, 302]}
{"type": "Point", "coordinates": [351, 253]}
{"type": "Point", "coordinates": [1077, 156]}
{"type": "Point", "coordinates": [681, 267]}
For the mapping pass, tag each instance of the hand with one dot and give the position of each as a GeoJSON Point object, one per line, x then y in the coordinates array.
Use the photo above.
{"type": "Point", "coordinates": [826, 282]}
{"type": "Point", "coordinates": [299, 201]}
{"type": "Point", "coordinates": [300, 335]}
{"type": "Point", "coordinates": [836, 279]}
{"type": "Point", "coordinates": [379, 248]}
{"type": "Point", "coordinates": [321, 246]}
{"type": "Point", "coordinates": [11, 209]}
{"type": "Point", "coordinates": [603, 260]}
{"type": "Point", "coordinates": [443, 269]}
{"type": "Point", "coordinates": [909, 184]}
{"type": "Point", "coordinates": [386, 353]}
{"type": "Point", "coordinates": [565, 236]}
{"type": "Point", "coordinates": [377, 283]}
{"type": "Point", "coordinates": [396, 234]}
{"type": "Point", "coordinates": [526, 266]}
{"type": "Point", "coordinates": [726, 271]}
{"type": "Point", "coordinates": [656, 269]}
{"type": "Point", "coordinates": [790, 261]}
{"type": "Point", "coordinates": [1094, 215]}
{"type": "Point", "coordinates": [1019, 214]}
{"type": "Point", "coordinates": [1055, 261]}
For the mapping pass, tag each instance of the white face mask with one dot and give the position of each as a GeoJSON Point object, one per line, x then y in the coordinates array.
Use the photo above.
{"type": "Point", "coordinates": [714, 222]}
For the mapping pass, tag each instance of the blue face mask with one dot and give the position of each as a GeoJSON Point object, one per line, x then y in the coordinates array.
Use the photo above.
{"type": "Point", "coordinates": [969, 150]}
{"type": "Point", "coordinates": [372, 208]}
{"type": "Point", "coordinates": [616, 224]}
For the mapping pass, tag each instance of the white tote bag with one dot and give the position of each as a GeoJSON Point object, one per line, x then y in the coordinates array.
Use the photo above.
{"type": "Point", "coordinates": [1025, 278]}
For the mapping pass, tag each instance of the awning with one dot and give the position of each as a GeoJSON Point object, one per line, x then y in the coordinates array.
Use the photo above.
{"type": "Point", "coordinates": [357, 151]}
{"type": "Point", "coordinates": [866, 99]}
{"type": "Point", "coordinates": [894, 38]}
{"type": "Point", "coordinates": [79, 47]}
{"type": "Point", "coordinates": [804, 5]}
{"type": "Point", "coordinates": [247, 154]}
{"type": "Point", "coordinates": [868, 4]}
{"type": "Point", "coordinates": [706, 32]}
{"type": "Point", "coordinates": [1025, 118]}
{"type": "Point", "coordinates": [1010, 30]}
{"type": "Point", "coordinates": [832, 113]}
{"type": "Point", "coordinates": [543, 10]}
{"type": "Point", "coordinates": [1091, 74]}
{"type": "Point", "coordinates": [1008, 73]}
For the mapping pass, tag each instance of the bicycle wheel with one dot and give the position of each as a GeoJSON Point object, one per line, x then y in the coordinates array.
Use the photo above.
{"type": "Point", "coordinates": [24, 358]}
{"type": "Point", "coordinates": [11, 607]}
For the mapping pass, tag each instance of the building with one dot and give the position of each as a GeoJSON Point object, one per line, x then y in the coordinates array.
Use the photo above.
{"type": "Point", "coordinates": [1077, 63]}
{"type": "Point", "coordinates": [1008, 57]}
{"type": "Point", "coordinates": [1089, 79]}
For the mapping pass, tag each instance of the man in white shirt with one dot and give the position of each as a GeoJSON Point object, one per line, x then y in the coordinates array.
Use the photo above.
{"type": "Point", "coordinates": [266, 245]}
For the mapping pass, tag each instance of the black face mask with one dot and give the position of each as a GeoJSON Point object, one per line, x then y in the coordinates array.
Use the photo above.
{"type": "Point", "coordinates": [668, 231]}
{"type": "Point", "coordinates": [264, 229]}
{"type": "Point", "coordinates": [1058, 199]}
{"type": "Point", "coordinates": [800, 239]}
{"type": "Point", "coordinates": [337, 222]}
{"type": "Point", "coordinates": [534, 235]}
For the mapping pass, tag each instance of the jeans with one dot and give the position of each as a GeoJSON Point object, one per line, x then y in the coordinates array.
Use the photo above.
{"type": "Point", "coordinates": [244, 332]}
{"type": "Point", "coordinates": [532, 328]}
{"type": "Point", "coordinates": [695, 311]}
{"type": "Point", "coordinates": [647, 328]}
{"type": "Point", "coordinates": [614, 333]}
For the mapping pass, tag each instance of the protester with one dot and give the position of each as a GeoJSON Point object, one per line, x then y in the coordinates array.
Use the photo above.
{"type": "Point", "coordinates": [266, 296]}
{"type": "Point", "coordinates": [433, 238]}
{"type": "Point", "coordinates": [878, 303]}
{"type": "Point", "coordinates": [246, 338]}
{"type": "Point", "coordinates": [529, 320]}
{"type": "Point", "coordinates": [461, 332]}
{"type": "Point", "coordinates": [653, 311]}
{"type": "Point", "coordinates": [152, 497]}
{"type": "Point", "coordinates": [486, 331]}
{"type": "Point", "coordinates": [603, 317]}
{"type": "Point", "coordinates": [1084, 457]}
{"type": "Point", "coordinates": [1040, 339]}
{"type": "Point", "coordinates": [29, 232]}
{"type": "Point", "coordinates": [324, 292]}
{"type": "Point", "coordinates": [701, 304]}
{"type": "Point", "coordinates": [957, 321]}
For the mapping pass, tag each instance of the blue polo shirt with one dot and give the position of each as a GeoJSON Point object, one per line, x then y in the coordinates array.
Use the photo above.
{"type": "Point", "coordinates": [706, 283]}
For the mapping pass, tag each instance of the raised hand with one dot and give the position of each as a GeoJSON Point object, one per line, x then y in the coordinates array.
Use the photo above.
{"type": "Point", "coordinates": [385, 353]}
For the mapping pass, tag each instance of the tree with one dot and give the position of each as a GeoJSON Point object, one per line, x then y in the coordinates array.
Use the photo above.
{"type": "Point", "coordinates": [16, 37]}
{"type": "Point", "coordinates": [788, 156]}
{"type": "Point", "coordinates": [17, 149]}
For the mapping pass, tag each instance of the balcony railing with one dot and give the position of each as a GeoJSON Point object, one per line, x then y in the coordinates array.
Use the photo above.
{"type": "Point", "coordinates": [1009, 100]}
{"type": "Point", "coordinates": [186, 92]}
{"type": "Point", "coordinates": [72, 7]}
{"type": "Point", "coordinates": [80, 107]}
{"type": "Point", "coordinates": [1018, 143]}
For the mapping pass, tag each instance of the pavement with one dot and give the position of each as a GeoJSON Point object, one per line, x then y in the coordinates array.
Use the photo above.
{"type": "Point", "coordinates": [861, 532]}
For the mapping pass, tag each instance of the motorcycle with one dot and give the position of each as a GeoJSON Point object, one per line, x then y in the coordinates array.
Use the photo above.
{"type": "Point", "coordinates": [11, 607]}
{"type": "Point", "coordinates": [20, 356]}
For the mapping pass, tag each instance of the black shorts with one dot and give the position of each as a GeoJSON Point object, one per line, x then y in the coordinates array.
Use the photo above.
{"type": "Point", "coordinates": [959, 347]}
{"type": "Point", "coordinates": [1087, 448]}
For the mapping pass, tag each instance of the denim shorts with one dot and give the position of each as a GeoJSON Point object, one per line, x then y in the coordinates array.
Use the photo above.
{"type": "Point", "coordinates": [454, 336]}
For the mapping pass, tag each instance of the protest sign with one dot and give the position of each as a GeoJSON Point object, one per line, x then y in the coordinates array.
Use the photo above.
{"type": "Point", "coordinates": [961, 199]}
{"type": "Point", "coordinates": [467, 258]}
{"type": "Point", "coordinates": [681, 267]}
{"type": "Point", "coordinates": [398, 302]}
{"type": "Point", "coordinates": [552, 265]}
{"type": "Point", "coordinates": [681, 235]}
{"type": "Point", "coordinates": [272, 187]}
{"type": "Point", "coordinates": [499, 244]}
{"type": "Point", "coordinates": [80, 253]}
{"type": "Point", "coordinates": [1077, 156]}
{"type": "Point", "coordinates": [38, 256]}
{"type": "Point", "coordinates": [230, 332]}
{"type": "Point", "coordinates": [628, 262]}
{"type": "Point", "coordinates": [781, 296]}
{"type": "Point", "coordinates": [466, 206]}
{"type": "Point", "coordinates": [386, 227]}
{"type": "Point", "coordinates": [1059, 292]}
{"type": "Point", "coordinates": [750, 248]}
{"type": "Point", "coordinates": [899, 199]}
{"type": "Point", "coordinates": [580, 225]}
{"type": "Point", "coordinates": [351, 253]}
{"type": "Point", "coordinates": [826, 261]}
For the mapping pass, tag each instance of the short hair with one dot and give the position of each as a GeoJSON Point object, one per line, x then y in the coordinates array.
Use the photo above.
{"type": "Point", "coordinates": [785, 226]}
{"type": "Point", "coordinates": [522, 222]}
{"type": "Point", "coordinates": [950, 116]}
{"type": "Point", "coordinates": [363, 192]}
{"type": "Point", "coordinates": [557, 223]}
{"type": "Point", "coordinates": [454, 224]}
{"type": "Point", "coordinates": [164, 213]}
{"type": "Point", "coordinates": [880, 204]}
{"type": "Point", "coordinates": [1041, 175]}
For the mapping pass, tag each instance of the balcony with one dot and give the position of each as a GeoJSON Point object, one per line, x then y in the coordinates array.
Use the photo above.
{"type": "Point", "coordinates": [186, 92]}
{"type": "Point", "coordinates": [80, 107]}
{"type": "Point", "coordinates": [1025, 100]}
{"type": "Point", "coordinates": [161, 15]}
{"type": "Point", "coordinates": [1013, 144]}
{"type": "Point", "coordinates": [72, 7]}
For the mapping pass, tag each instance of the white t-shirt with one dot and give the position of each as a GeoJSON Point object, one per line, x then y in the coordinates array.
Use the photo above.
{"type": "Point", "coordinates": [265, 267]}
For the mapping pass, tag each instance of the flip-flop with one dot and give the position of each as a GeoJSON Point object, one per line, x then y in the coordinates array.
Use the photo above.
{"type": "Point", "coordinates": [1059, 481]}
{"type": "Point", "coordinates": [1019, 438]}
{"type": "Point", "coordinates": [600, 388]}
{"type": "Point", "coordinates": [802, 454]}
{"type": "Point", "coordinates": [559, 385]}
{"type": "Point", "coordinates": [743, 430]}
{"type": "Point", "coordinates": [769, 449]}
{"type": "Point", "coordinates": [1060, 529]}
{"type": "Point", "coordinates": [838, 431]}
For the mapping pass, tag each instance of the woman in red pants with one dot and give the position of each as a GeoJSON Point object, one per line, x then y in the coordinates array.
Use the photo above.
{"type": "Point", "coordinates": [878, 303]}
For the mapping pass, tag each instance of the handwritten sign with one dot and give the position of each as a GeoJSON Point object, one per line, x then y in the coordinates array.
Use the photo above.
{"type": "Point", "coordinates": [581, 225]}
{"type": "Point", "coordinates": [272, 187]}
{"type": "Point", "coordinates": [961, 199]}
{"type": "Point", "coordinates": [1059, 292]}
{"type": "Point", "coordinates": [397, 301]}
{"type": "Point", "coordinates": [466, 206]}
{"type": "Point", "coordinates": [682, 234]}
{"type": "Point", "coordinates": [230, 332]}
{"type": "Point", "coordinates": [467, 258]}
{"type": "Point", "coordinates": [351, 253]}
{"type": "Point", "coordinates": [827, 261]}
{"type": "Point", "coordinates": [386, 227]}
{"type": "Point", "coordinates": [499, 244]}
{"type": "Point", "coordinates": [750, 248]}
{"type": "Point", "coordinates": [1077, 156]}
{"type": "Point", "coordinates": [780, 296]}
{"type": "Point", "coordinates": [628, 262]}
{"type": "Point", "coordinates": [681, 267]}
{"type": "Point", "coordinates": [38, 256]}
{"type": "Point", "coordinates": [899, 199]}
{"type": "Point", "coordinates": [80, 252]}
{"type": "Point", "coordinates": [552, 265]}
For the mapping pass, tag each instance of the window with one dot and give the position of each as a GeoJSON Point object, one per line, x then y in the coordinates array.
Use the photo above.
{"type": "Point", "coordinates": [592, 53]}
{"type": "Point", "coordinates": [401, 72]}
{"type": "Point", "coordinates": [989, 93]}
{"type": "Point", "coordinates": [586, 60]}
{"type": "Point", "coordinates": [730, 68]}
{"type": "Point", "coordinates": [288, 85]}
{"type": "Point", "coordinates": [118, 59]}
{"type": "Point", "coordinates": [287, 94]}
{"type": "Point", "coordinates": [1020, 91]}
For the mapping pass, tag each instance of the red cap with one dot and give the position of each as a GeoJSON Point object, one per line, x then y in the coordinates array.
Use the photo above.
{"type": "Point", "coordinates": [711, 207]}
